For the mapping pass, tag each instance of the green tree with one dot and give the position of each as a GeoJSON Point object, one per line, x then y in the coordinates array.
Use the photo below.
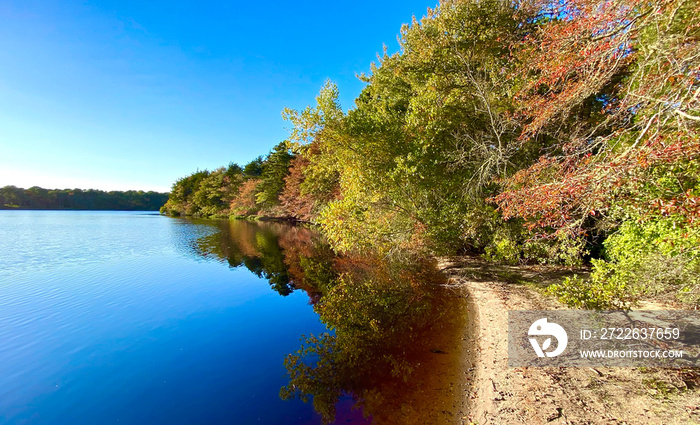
{"type": "Point", "coordinates": [429, 134]}
{"type": "Point", "coordinates": [180, 201]}
{"type": "Point", "coordinates": [274, 169]}
{"type": "Point", "coordinates": [209, 198]}
{"type": "Point", "coordinates": [253, 168]}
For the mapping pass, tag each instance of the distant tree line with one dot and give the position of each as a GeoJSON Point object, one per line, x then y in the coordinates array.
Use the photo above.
{"type": "Point", "coordinates": [36, 198]}
{"type": "Point", "coordinates": [526, 131]}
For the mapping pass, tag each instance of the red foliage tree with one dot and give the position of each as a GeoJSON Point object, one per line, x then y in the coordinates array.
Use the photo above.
{"type": "Point", "coordinates": [638, 62]}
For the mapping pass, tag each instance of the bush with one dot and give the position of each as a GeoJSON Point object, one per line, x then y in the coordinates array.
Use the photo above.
{"type": "Point", "coordinates": [592, 294]}
{"type": "Point", "coordinates": [511, 243]}
{"type": "Point", "coordinates": [660, 257]}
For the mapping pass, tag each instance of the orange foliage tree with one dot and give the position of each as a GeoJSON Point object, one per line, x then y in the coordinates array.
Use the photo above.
{"type": "Point", "coordinates": [244, 202]}
{"type": "Point", "coordinates": [293, 202]}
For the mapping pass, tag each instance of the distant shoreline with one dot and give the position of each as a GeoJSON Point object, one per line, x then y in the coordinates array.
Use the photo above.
{"type": "Point", "coordinates": [36, 198]}
{"type": "Point", "coordinates": [5, 208]}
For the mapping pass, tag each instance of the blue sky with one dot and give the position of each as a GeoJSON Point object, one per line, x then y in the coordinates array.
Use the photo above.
{"type": "Point", "coordinates": [124, 94]}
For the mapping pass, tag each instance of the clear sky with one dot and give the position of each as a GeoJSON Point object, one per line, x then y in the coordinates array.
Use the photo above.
{"type": "Point", "coordinates": [127, 94]}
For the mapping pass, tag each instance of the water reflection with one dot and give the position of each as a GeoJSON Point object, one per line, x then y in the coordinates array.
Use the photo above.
{"type": "Point", "coordinates": [289, 257]}
{"type": "Point", "coordinates": [395, 341]}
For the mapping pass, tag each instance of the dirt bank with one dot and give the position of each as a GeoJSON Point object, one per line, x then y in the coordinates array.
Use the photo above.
{"type": "Point", "coordinates": [502, 395]}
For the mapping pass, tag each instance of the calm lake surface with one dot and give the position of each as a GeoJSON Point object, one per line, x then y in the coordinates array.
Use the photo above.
{"type": "Point", "coordinates": [136, 318]}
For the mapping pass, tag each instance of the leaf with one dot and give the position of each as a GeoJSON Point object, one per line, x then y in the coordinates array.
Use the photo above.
{"type": "Point", "coordinates": [546, 344]}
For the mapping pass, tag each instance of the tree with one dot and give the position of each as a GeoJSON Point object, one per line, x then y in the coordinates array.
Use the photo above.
{"type": "Point", "coordinates": [430, 132]}
{"type": "Point", "coordinates": [243, 203]}
{"type": "Point", "coordinates": [274, 170]}
{"type": "Point", "coordinates": [253, 168]}
{"type": "Point", "coordinates": [180, 201]}
{"type": "Point", "coordinates": [293, 202]}
{"type": "Point", "coordinates": [209, 198]}
{"type": "Point", "coordinates": [615, 84]}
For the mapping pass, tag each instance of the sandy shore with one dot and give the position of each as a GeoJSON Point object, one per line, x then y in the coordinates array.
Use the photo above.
{"type": "Point", "coordinates": [498, 394]}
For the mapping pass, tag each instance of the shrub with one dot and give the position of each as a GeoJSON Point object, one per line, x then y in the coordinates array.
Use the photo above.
{"type": "Point", "coordinates": [657, 258]}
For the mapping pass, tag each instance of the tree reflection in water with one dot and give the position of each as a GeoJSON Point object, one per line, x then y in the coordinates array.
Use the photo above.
{"type": "Point", "coordinates": [289, 257]}
{"type": "Point", "coordinates": [395, 340]}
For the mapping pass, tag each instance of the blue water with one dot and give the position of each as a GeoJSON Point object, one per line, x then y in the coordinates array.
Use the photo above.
{"type": "Point", "coordinates": [117, 318]}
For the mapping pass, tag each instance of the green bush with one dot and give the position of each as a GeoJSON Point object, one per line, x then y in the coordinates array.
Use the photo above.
{"type": "Point", "coordinates": [592, 294]}
{"type": "Point", "coordinates": [510, 242]}
{"type": "Point", "coordinates": [503, 250]}
{"type": "Point", "coordinates": [660, 257]}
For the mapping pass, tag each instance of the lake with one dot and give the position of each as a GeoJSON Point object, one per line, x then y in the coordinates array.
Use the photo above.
{"type": "Point", "coordinates": [138, 318]}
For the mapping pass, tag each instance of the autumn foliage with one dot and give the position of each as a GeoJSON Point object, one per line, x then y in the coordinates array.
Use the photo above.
{"type": "Point", "coordinates": [538, 131]}
{"type": "Point", "coordinates": [616, 85]}
{"type": "Point", "coordinates": [244, 202]}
